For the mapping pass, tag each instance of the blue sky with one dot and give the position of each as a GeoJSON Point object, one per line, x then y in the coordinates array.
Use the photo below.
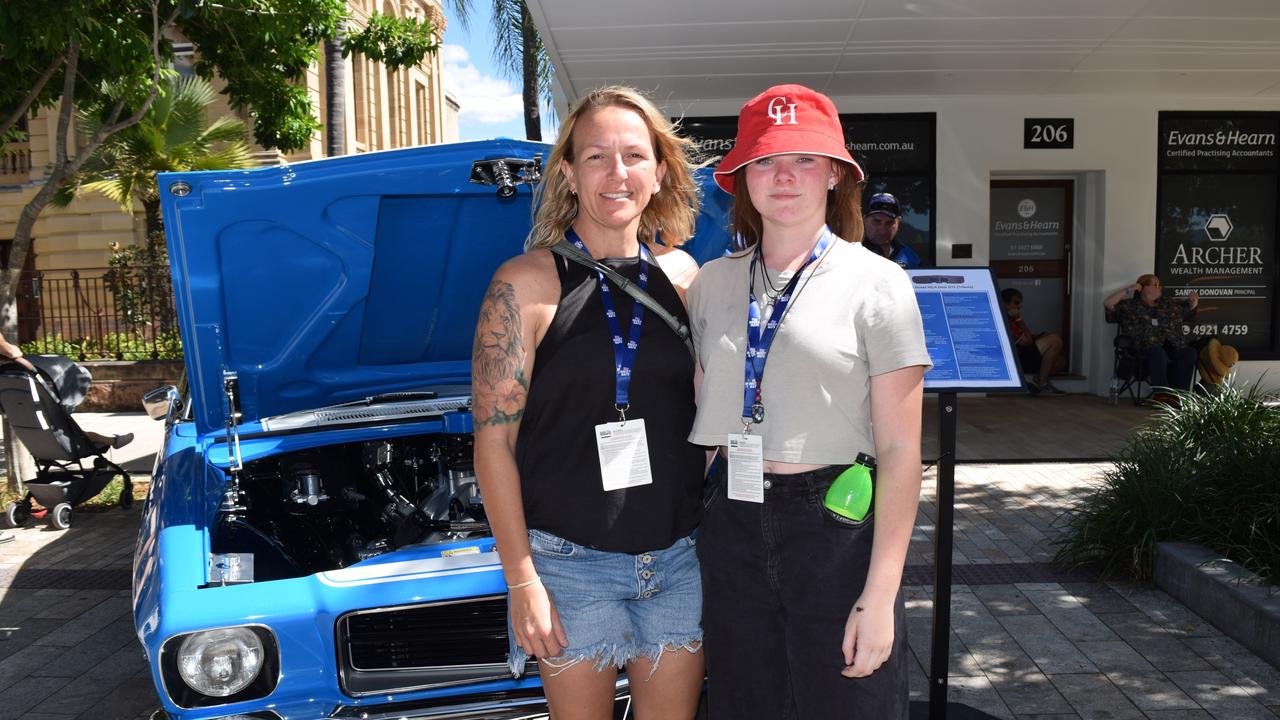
{"type": "Point", "coordinates": [490, 102]}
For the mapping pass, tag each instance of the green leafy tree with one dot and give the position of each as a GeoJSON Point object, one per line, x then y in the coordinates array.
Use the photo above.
{"type": "Point", "coordinates": [519, 53]}
{"type": "Point", "coordinates": [140, 288]}
{"type": "Point", "coordinates": [112, 55]}
{"type": "Point", "coordinates": [174, 134]}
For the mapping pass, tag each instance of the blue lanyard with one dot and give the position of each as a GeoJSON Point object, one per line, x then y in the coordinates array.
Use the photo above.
{"type": "Point", "coordinates": [624, 352]}
{"type": "Point", "coordinates": [758, 345]}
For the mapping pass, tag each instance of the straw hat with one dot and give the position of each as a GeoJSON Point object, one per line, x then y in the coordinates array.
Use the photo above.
{"type": "Point", "coordinates": [1216, 361]}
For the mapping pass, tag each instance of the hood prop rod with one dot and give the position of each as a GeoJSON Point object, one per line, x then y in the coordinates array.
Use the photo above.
{"type": "Point", "coordinates": [232, 499]}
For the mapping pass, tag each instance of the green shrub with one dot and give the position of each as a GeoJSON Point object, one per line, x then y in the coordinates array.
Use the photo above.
{"type": "Point", "coordinates": [138, 279]}
{"type": "Point", "coordinates": [1207, 471]}
{"type": "Point", "coordinates": [113, 346]}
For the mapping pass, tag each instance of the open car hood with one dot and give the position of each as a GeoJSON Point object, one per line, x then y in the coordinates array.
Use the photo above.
{"type": "Point", "coordinates": [328, 281]}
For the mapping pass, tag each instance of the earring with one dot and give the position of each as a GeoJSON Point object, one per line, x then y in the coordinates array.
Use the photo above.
{"type": "Point", "coordinates": [656, 188]}
{"type": "Point", "coordinates": [573, 192]}
{"type": "Point", "coordinates": [831, 185]}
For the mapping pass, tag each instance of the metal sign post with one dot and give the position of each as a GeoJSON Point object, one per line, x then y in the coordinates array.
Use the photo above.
{"type": "Point", "coordinates": [940, 654]}
{"type": "Point", "coordinates": [965, 332]}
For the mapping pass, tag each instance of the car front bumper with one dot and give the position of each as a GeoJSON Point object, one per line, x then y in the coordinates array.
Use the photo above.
{"type": "Point", "coordinates": [522, 704]}
{"type": "Point", "coordinates": [516, 704]}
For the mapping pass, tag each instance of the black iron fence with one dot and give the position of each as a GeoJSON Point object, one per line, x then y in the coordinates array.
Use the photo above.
{"type": "Point", "coordinates": [99, 314]}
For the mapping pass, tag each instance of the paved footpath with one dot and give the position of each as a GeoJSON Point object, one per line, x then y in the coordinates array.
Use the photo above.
{"type": "Point", "coordinates": [1030, 640]}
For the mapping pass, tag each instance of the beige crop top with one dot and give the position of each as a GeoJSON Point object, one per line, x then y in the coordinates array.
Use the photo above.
{"type": "Point", "coordinates": [853, 318]}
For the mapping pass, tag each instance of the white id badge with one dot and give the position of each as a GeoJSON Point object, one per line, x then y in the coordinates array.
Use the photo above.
{"type": "Point", "coordinates": [746, 468]}
{"type": "Point", "coordinates": [624, 454]}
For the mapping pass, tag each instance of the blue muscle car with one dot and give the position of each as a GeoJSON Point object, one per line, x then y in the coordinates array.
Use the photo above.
{"type": "Point", "coordinates": [315, 544]}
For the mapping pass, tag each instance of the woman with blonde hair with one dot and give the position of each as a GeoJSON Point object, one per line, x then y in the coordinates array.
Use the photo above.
{"type": "Point", "coordinates": [582, 403]}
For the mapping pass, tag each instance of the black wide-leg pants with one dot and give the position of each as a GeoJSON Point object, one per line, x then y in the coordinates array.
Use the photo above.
{"type": "Point", "coordinates": [779, 580]}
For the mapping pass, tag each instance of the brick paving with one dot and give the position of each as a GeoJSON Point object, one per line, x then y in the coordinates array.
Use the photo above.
{"type": "Point", "coordinates": [67, 644]}
{"type": "Point", "coordinates": [1029, 640]}
{"type": "Point", "coordinates": [1064, 647]}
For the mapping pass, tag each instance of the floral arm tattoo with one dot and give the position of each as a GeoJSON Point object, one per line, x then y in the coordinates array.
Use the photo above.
{"type": "Point", "coordinates": [499, 388]}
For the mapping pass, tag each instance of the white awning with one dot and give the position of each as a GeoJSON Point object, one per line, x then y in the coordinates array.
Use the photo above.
{"type": "Point", "coordinates": [694, 52]}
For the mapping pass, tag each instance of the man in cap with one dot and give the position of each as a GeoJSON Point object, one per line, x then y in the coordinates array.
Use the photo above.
{"type": "Point", "coordinates": [881, 227]}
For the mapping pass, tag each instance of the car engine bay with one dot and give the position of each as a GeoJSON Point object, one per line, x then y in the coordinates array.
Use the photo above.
{"type": "Point", "coordinates": [328, 507]}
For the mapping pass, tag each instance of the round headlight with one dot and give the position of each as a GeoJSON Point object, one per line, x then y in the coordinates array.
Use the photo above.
{"type": "Point", "coordinates": [220, 662]}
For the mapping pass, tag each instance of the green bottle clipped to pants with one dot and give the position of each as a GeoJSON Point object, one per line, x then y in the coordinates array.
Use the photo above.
{"type": "Point", "coordinates": [851, 492]}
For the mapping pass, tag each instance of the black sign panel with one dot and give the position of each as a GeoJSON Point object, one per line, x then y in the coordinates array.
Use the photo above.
{"type": "Point", "coordinates": [1216, 229]}
{"type": "Point", "coordinates": [1051, 133]}
{"type": "Point", "coordinates": [1243, 142]}
{"type": "Point", "coordinates": [882, 144]}
{"type": "Point", "coordinates": [712, 137]}
{"type": "Point", "coordinates": [1218, 238]}
{"type": "Point", "coordinates": [896, 151]}
{"type": "Point", "coordinates": [891, 144]}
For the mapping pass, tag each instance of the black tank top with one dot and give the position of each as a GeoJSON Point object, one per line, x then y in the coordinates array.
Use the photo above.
{"type": "Point", "coordinates": [572, 391]}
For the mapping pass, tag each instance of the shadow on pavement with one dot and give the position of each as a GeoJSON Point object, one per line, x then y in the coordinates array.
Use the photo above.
{"type": "Point", "coordinates": [67, 643]}
{"type": "Point", "coordinates": [68, 648]}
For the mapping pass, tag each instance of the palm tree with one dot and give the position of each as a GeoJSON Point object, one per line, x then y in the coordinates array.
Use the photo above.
{"type": "Point", "coordinates": [335, 87]}
{"type": "Point", "coordinates": [175, 134]}
{"type": "Point", "coordinates": [519, 52]}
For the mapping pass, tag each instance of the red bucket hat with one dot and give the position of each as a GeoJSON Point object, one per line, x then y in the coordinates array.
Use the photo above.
{"type": "Point", "coordinates": [785, 119]}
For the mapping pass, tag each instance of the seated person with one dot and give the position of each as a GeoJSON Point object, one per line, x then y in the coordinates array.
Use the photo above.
{"type": "Point", "coordinates": [1154, 323]}
{"type": "Point", "coordinates": [69, 382]}
{"type": "Point", "coordinates": [880, 231]}
{"type": "Point", "coordinates": [1039, 353]}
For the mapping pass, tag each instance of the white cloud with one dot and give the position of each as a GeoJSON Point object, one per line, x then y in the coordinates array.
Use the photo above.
{"type": "Point", "coordinates": [454, 54]}
{"type": "Point", "coordinates": [482, 99]}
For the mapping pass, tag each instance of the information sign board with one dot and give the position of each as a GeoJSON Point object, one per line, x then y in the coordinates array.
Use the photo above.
{"type": "Point", "coordinates": [964, 331]}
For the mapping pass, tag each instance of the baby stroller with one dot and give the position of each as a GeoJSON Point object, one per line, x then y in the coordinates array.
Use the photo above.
{"type": "Point", "coordinates": [41, 419]}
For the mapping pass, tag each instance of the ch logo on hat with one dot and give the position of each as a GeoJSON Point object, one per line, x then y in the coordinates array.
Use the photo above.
{"type": "Point", "coordinates": [779, 109]}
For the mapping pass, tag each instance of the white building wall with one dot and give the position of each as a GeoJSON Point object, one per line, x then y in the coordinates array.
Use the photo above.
{"type": "Point", "coordinates": [1114, 163]}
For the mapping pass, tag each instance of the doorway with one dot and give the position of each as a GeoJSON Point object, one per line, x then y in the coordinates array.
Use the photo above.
{"type": "Point", "coordinates": [1030, 233]}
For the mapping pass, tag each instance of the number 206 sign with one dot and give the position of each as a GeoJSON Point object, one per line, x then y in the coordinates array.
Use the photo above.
{"type": "Point", "coordinates": [1038, 133]}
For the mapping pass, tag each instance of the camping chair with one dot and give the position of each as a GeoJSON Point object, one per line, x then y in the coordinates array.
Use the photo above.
{"type": "Point", "coordinates": [58, 444]}
{"type": "Point", "coordinates": [1130, 369]}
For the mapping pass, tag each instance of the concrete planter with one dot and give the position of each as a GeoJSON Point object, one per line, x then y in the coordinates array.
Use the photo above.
{"type": "Point", "coordinates": [1234, 599]}
{"type": "Point", "coordinates": [118, 385]}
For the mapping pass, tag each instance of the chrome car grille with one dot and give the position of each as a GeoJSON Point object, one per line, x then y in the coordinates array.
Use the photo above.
{"type": "Point", "coordinates": [420, 646]}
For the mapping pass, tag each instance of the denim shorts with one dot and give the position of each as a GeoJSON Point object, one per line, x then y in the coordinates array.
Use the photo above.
{"type": "Point", "coordinates": [616, 607]}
